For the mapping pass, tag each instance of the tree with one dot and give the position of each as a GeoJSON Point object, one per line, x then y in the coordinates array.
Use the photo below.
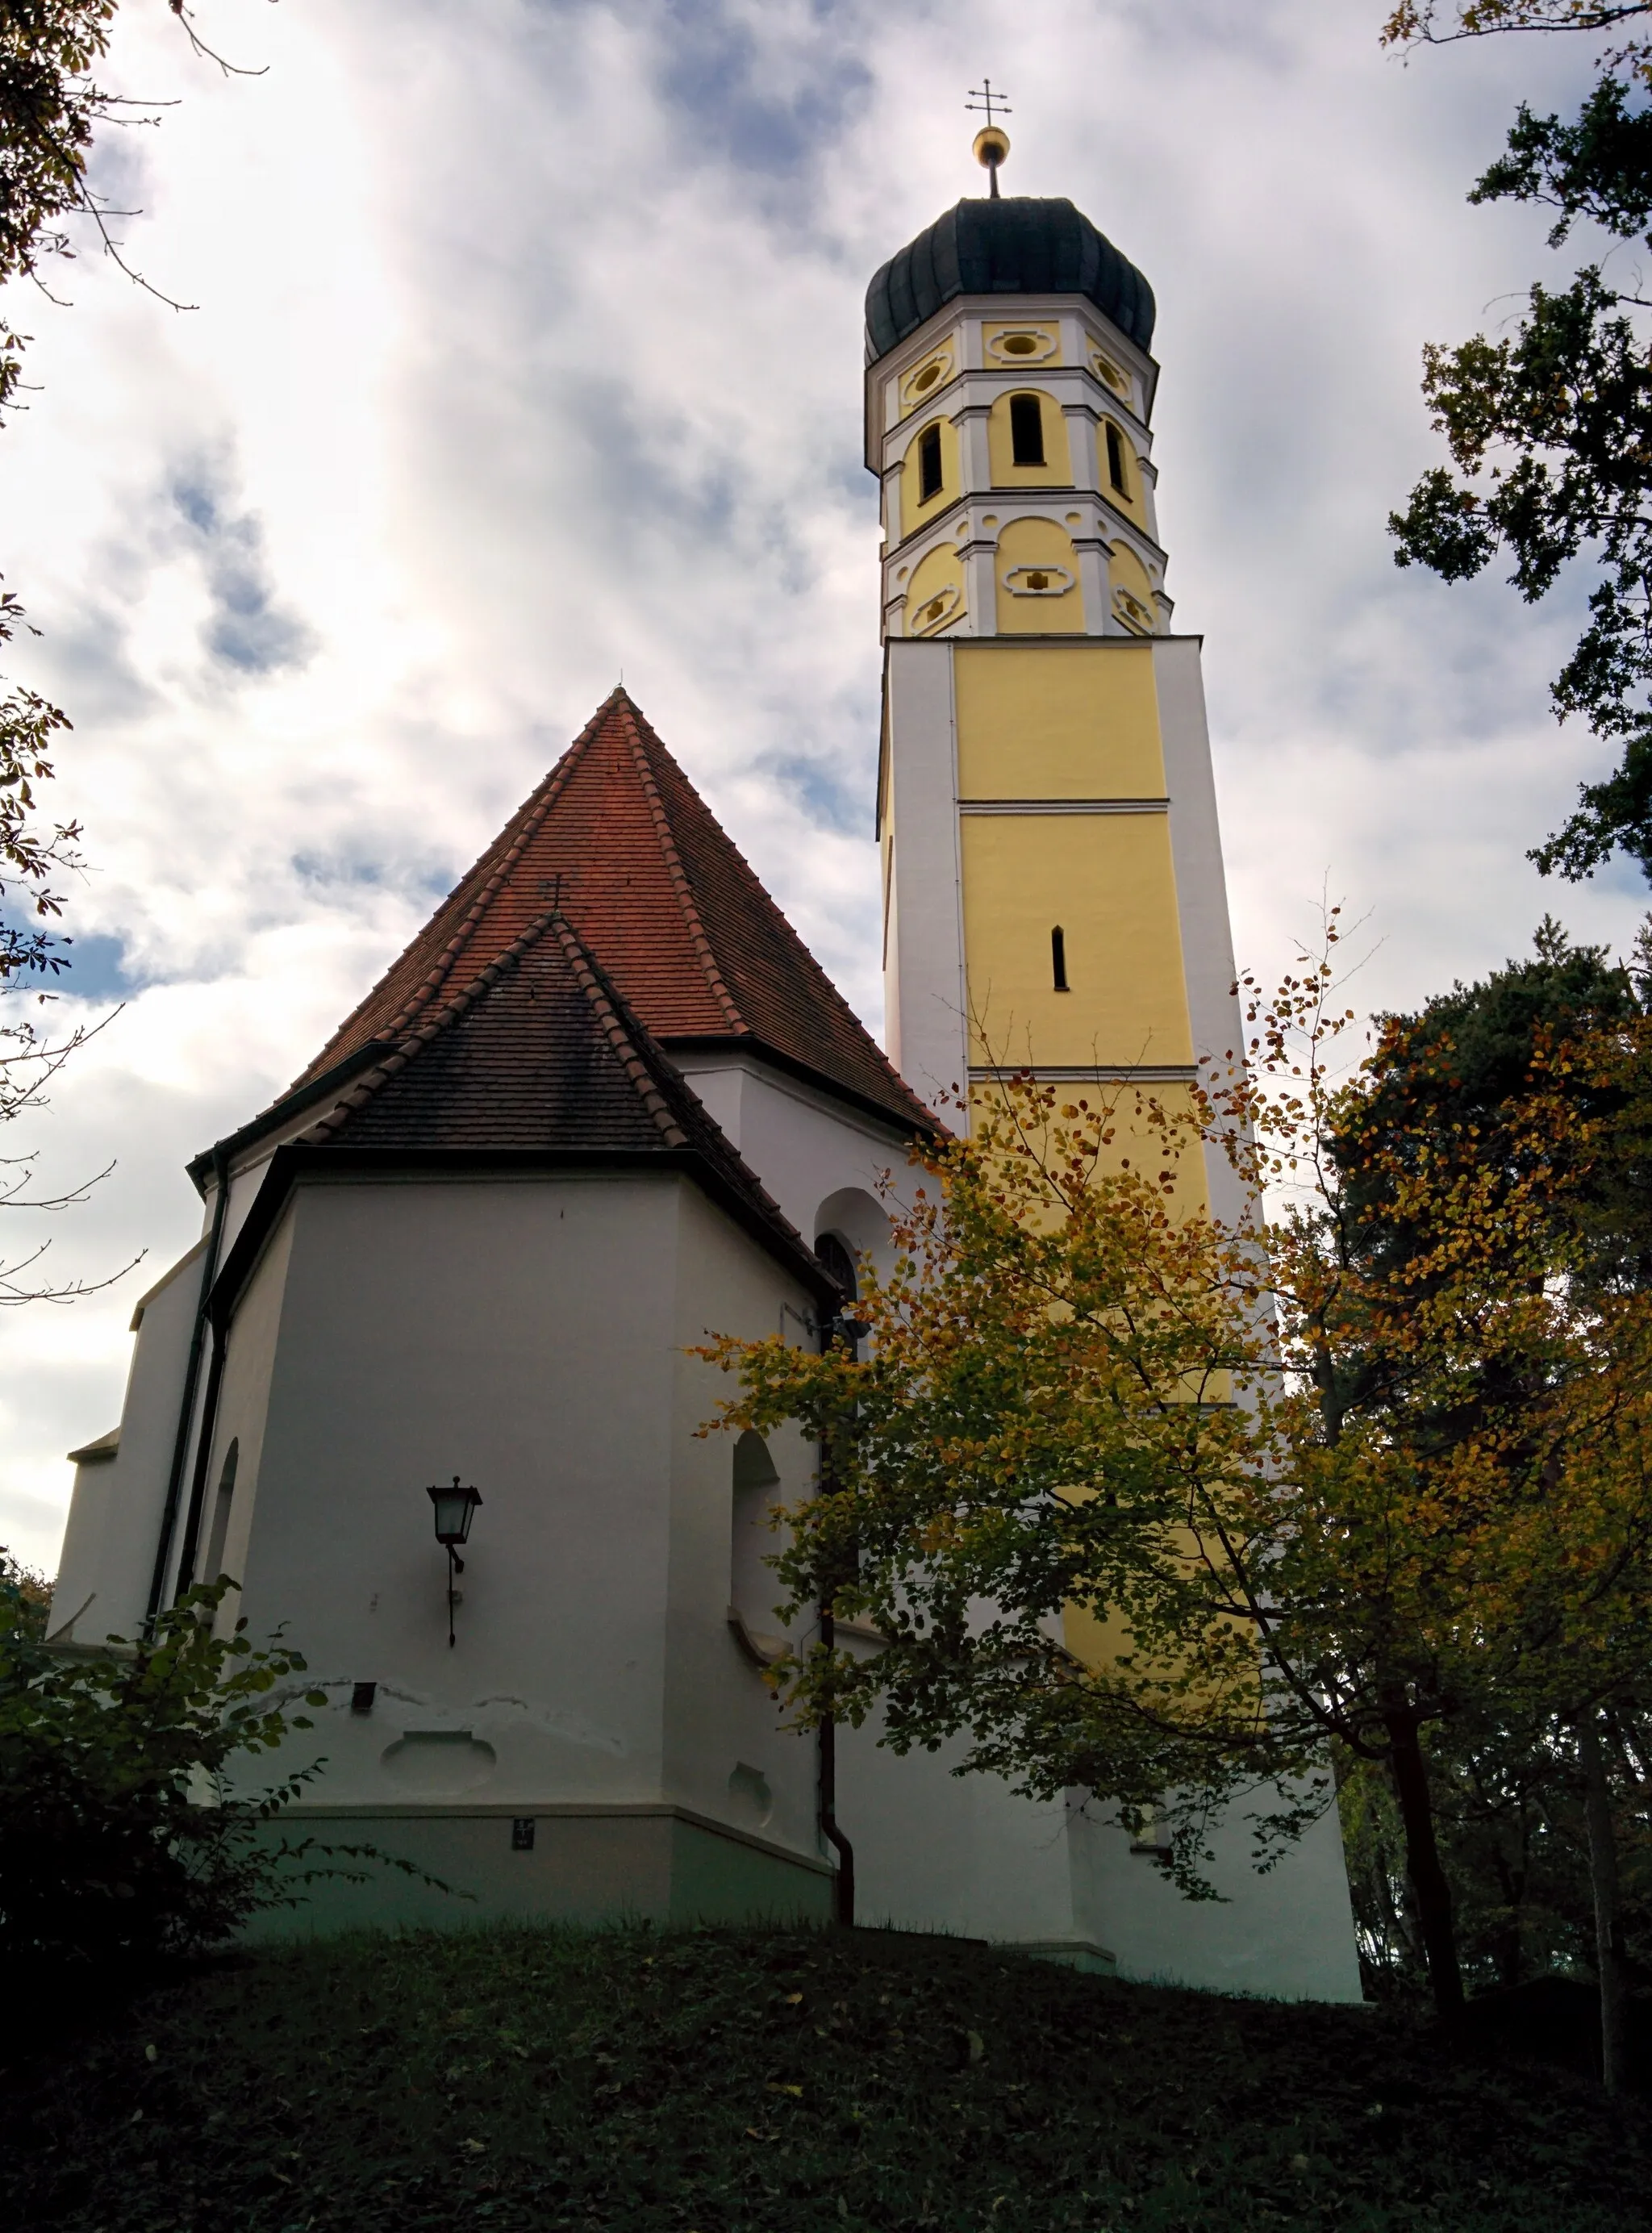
{"type": "Point", "coordinates": [1429, 23]}
{"type": "Point", "coordinates": [1509, 1806]}
{"type": "Point", "coordinates": [51, 108]}
{"type": "Point", "coordinates": [1155, 1508]}
{"type": "Point", "coordinates": [1536, 1804]}
{"type": "Point", "coordinates": [119, 1838]}
{"type": "Point", "coordinates": [25, 1596]}
{"type": "Point", "coordinates": [124, 1839]}
{"type": "Point", "coordinates": [30, 851]}
{"type": "Point", "coordinates": [1550, 428]}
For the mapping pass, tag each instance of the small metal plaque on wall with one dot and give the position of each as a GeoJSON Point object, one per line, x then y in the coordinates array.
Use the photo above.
{"type": "Point", "coordinates": [522, 1827]}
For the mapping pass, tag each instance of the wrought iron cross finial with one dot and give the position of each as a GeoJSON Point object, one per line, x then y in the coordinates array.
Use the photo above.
{"type": "Point", "coordinates": [992, 142]}
{"type": "Point", "coordinates": [984, 101]}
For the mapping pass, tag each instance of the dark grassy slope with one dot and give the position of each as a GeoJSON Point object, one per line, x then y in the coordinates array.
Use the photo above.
{"type": "Point", "coordinates": [757, 2082]}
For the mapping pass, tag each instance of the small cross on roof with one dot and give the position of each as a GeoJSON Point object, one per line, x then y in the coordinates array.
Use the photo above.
{"type": "Point", "coordinates": [984, 101]}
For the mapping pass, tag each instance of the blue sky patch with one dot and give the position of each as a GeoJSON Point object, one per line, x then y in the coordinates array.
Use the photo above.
{"type": "Point", "coordinates": [248, 629]}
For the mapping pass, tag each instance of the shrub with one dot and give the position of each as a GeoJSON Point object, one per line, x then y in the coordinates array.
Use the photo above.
{"type": "Point", "coordinates": [122, 1839]}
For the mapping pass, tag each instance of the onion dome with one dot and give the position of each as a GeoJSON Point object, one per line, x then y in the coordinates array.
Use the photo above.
{"type": "Point", "coordinates": [1013, 247]}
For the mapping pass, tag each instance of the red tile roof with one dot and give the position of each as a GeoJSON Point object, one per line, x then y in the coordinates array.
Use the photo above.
{"type": "Point", "coordinates": [537, 1052]}
{"type": "Point", "coordinates": [621, 840]}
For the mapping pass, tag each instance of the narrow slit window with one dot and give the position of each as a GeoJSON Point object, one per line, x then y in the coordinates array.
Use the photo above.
{"type": "Point", "coordinates": [1026, 430]}
{"type": "Point", "coordinates": [222, 1505]}
{"type": "Point", "coordinates": [1115, 460]}
{"type": "Point", "coordinates": [1058, 959]}
{"type": "Point", "coordinates": [929, 464]}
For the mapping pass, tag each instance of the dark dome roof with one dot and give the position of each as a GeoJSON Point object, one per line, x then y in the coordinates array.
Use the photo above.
{"type": "Point", "coordinates": [1016, 246]}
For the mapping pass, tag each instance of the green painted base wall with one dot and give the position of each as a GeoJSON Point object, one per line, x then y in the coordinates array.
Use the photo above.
{"type": "Point", "coordinates": [581, 1869]}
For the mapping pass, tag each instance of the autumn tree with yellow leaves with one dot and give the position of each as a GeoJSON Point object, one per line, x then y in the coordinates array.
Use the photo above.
{"type": "Point", "coordinates": [1155, 1506]}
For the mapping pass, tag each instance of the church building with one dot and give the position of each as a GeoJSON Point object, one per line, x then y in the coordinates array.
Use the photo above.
{"type": "Point", "coordinates": [607, 1102]}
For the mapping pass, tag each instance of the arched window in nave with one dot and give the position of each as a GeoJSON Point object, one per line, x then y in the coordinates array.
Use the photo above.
{"type": "Point", "coordinates": [754, 1588]}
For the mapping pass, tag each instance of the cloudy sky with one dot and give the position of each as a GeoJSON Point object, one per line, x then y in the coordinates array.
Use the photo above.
{"type": "Point", "coordinates": [527, 352]}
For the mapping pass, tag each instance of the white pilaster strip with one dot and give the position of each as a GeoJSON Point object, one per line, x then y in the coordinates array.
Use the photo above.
{"type": "Point", "coordinates": [1082, 420]}
{"type": "Point", "coordinates": [892, 526]}
{"type": "Point", "coordinates": [980, 585]}
{"type": "Point", "coordinates": [1201, 886]}
{"type": "Point", "coordinates": [925, 954]}
{"type": "Point", "coordinates": [1094, 586]}
{"type": "Point", "coordinates": [975, 462]}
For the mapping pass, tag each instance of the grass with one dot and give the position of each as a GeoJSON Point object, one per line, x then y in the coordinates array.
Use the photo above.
{"type": "Point", "coordinates": [749, 2081]}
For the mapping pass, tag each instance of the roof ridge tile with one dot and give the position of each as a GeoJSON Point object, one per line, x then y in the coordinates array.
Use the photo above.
{"type": "Point", "coordinates": [527, 820]}
{"type": "Point", "coordinates": [772, 908]}
{"type": "Point", "coordinates": [687, 1126]}
{"type": "Point", "coordinates": [715, 1144]}
{"type": "Point", "coordinates": [590, 982]}
{"type": "Point", "coordinates": [684, 891]}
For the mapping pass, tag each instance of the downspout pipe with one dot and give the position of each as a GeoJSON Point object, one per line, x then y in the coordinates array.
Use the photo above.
{"type": "Point", "coordinates": [203, 1458]}
{"type": "Point", "coordinates": [843, 1881]}
{"type": "Point", "coordinates": [191, 1381]}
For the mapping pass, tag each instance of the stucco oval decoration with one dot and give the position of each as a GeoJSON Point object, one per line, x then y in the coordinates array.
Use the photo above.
{"type": "Point", "coordinates": [1037, 581]}
{"type": "Point", "coordinates": [438, 1762]}
{"type": "Point", "coordinates": [751, 1800]}
{"type": "Point", "coordinates": [925, 378]}
{"type": "Point", "coordinates": [1109, 372]}
{"type": "Point", "coordinates": [936, 611]}
{"type": "Point", "coordinates": [1022, 345]}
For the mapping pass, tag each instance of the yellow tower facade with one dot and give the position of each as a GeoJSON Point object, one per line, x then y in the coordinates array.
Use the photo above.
{"type": "Point", "coordinates": [1053, 887]}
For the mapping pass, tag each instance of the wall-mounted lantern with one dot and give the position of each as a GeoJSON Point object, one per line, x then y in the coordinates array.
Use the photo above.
{"type": "Point", "coordinates": [453, 1509]}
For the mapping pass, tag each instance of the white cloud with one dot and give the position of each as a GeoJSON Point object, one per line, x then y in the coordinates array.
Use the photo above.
{"type": "Point", "coordinates": [528, 350]}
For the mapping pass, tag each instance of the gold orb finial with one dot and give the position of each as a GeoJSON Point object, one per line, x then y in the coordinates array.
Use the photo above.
{"type": "Point", "coordinates": [992, 144]}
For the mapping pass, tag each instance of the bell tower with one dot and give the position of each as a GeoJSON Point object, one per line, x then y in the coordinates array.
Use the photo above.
{"type": "Point", "coordinates": [1052, 875]}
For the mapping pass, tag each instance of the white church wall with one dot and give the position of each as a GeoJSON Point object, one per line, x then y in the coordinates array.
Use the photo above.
{"type": "Point", "coordinates": [932, 1052]}
{"type": "Point", "coordinates": [759, 1495]}
{"type": "Point", "coordinates": [585, 1865]}
{"type": "Point", "coordinates": [1289, 1934]}
{"type": "Point", "coordinates": [115, 1518]}
{"type": "Point", "coordinates": [76, 1594]}
{"type": "Point", "coordinates": [936, 1852]}
{"type": "Point", "coordinates": [804, 1145]}
{"type": "Point", "coordinates": [961, 1854]}
{"type": "Point", "coordinates": [248, 1167]}
{"type": "Point", "coordinates": [243, 1412]}
{"type": "Point", "coordinates": [1201, 889]}
{"type": "Point", "coordinates": [520, 1335]}
{"type": "Point", "coordinates": [727, 1756]}
{"type": "Point", "coordinates": [530, 1336]}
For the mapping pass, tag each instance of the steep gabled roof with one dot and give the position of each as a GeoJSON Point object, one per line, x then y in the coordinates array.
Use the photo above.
{"type": "Point", "coordinates": [618, 837]}
{"type": "Point", "coordinates": [538, 1053]}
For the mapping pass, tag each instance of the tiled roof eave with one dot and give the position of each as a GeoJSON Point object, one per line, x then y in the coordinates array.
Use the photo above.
{"type": "Point", "coordinates": [680, 1123]}
{"type": "Point", "coordinates": [293, 1104]}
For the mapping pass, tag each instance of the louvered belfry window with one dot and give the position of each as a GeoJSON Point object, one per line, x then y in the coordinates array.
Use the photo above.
{"type": "Point", "coordinates": [1026, 430]}
{"type": "Point", "coordinates": [929, 464]}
